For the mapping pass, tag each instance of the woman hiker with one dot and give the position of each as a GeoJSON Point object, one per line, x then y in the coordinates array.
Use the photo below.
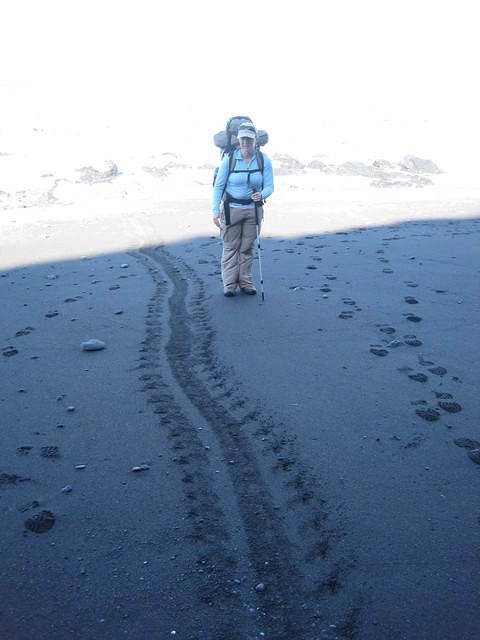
{"type": "Point", "coordinates": [238, 194]}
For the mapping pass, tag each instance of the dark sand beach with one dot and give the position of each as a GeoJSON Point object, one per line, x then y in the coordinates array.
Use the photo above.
{"type": "Point", "coordinates": [227, 469]}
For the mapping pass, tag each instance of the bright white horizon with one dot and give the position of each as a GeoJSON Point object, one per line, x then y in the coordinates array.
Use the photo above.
{"type": "Point", "coordinates": [369, 76]}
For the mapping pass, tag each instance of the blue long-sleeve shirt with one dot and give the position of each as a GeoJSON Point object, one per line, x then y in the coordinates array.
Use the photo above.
{"type": "Point", "coordinates": [237, 182]}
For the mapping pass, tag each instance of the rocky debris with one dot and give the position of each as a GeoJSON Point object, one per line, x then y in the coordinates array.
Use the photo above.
{"type": "Point", "coordinates": [67, 488]}
{"type": "Point", "coordinates": [419, 165]}
{"type": "Point", "coordinates": [93, 345]}
{"type": "Point", "coordinates": [156, 172]}
{"type": "Point", "coordinates": [106, 174]}
{"type": "Point", "coordinates": [409, 172]}
{"type": "Point", "coordinates": [411, 181]}
{"type": "Point", "coordinates": [286, 165]}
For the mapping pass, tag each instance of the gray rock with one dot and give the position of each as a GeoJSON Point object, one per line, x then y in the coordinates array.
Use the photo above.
{"type": "Point", "coordinates": [419, 165]}
{"type": "Point", "coordinates": [140, 467]}
{"type": "Point", "coordinates": [93, 345]}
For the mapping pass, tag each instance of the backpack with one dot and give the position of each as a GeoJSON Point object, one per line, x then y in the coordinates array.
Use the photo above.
{"type": "Point", "coordinates": [227, 141]}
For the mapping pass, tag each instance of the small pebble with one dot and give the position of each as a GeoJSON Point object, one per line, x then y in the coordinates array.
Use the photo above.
{"type": "Point", "coordinates": [93, 345]}
{"type": "Point", "coordinates": [140, 467]}
{"type": "Point", "coordinates": [67, 488]}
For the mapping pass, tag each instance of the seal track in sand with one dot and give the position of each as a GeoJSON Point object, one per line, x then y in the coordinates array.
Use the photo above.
{"type": "Point", "coordinates": [214, 565]}
{"type": "Point", "coordinates": [288, 606]}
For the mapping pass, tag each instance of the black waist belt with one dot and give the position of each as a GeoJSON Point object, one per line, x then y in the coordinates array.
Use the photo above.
{"type": "Point", "coordinates": [239, 200]}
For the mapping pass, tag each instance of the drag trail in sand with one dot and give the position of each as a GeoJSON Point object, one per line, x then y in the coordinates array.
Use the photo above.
{"type": "Point", "coordinates": [279, 544]}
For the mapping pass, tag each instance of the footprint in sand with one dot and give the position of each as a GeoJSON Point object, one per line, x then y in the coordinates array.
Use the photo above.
{"type": "Point", "coordinates": [24, 450]}
{"type": "Point", "coordinates": [24, 332]}
{"type": "Point", "coordinates": [387, 270]}
{"type": "Point", "coordinates": [472, 447]}
{"type": "Point", "coordinates": [438, 371]}
{"type": "Point", "coordinates": [410, 300]}
{"type": "Point", "coordinates": [412, 340]}
{"type": "Point", "coordinates": [379, 351]}
{"type": "Point", "coordinates": [450, 406]}
{"type": "Point", "coordinates": [412, 317]}
{"type": "Point", "coordinates": [409, 283]}
{"type": "Point", "coordinates": [50, 451]}
{"type": "Point", "coordinates": [418, 377]}
{"type": "Point", "coordinates": [346, 315]}
{"type": "Point", "coordinates": [40, 522]}
{"type": "Point", "coordinates": [51, 314]}
{"type": "Point", "coordinates": [9, 351]}
{"type": "Point", "coordinates": [387, 329]}
{"type": "Point", "coordinates": [431, 415]}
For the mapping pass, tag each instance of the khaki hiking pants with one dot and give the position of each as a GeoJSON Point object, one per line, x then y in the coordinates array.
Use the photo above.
{"type": "Point", "coordinates": [238, 241]}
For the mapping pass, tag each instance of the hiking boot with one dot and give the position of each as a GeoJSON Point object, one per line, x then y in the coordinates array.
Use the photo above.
{"type": "Point", "coordinates": [229, 294]}
{"type": "Point", "coordinates": [250, 291]}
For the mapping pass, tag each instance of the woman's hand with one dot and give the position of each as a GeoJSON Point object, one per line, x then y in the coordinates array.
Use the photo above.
{"type": "Point", "coordinates": [216, 220]}
{"type": "Point", "coordinates": [256, 196]}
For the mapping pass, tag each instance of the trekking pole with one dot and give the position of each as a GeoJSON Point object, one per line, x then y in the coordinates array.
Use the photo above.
{"type": "Point", "coordinates": [257, 224]}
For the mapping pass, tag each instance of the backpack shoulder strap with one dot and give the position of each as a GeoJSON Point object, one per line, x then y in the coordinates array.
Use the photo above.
{"type": "Point", "coordinates": [260, 160]}
{"type": "Point", "coordinates": [232, 162]}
